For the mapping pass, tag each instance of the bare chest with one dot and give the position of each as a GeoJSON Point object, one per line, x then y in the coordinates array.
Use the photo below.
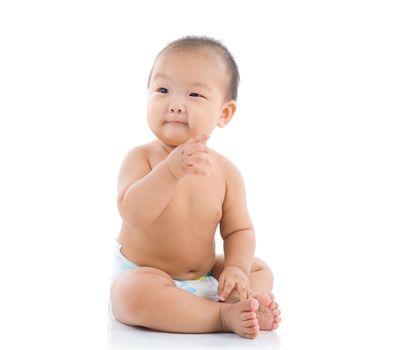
{"type": "Point", "coordinates": [197, 201]}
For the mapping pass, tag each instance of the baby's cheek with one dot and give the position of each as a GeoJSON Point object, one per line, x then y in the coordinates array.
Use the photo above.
{"type": "Point", "coordinates": [196, 127]}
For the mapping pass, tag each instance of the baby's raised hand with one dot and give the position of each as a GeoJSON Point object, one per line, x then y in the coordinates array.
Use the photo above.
{"type": "Point", "coordinates": [231, 278]}
{"type": "Point", "coordinates": [190, 158]}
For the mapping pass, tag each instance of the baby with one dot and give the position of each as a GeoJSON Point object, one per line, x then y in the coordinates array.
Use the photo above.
{"type": "Point", "coordinates": [173, 193]}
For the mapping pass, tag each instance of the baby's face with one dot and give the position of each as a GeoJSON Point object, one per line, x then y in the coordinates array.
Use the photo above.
{"type": "Point", "coordinates": [186, 96]}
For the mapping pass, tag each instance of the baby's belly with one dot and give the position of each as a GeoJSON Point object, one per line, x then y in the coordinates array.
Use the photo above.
{"type": "Point", "coordinates": [183, 255]}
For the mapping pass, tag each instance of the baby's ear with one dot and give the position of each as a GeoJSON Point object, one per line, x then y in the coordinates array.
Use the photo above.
{"type": "Point", "coordinates": [227, 113]}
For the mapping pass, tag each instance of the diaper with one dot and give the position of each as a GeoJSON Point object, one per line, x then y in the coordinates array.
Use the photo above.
{"type": "Point", "coordinates": [205, 286]}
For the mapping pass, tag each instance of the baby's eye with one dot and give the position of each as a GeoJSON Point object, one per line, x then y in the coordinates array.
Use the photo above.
{"type": "Point", "coordinates": [194, 94]}
{"type": "Point", "coordinates": [162, 90]}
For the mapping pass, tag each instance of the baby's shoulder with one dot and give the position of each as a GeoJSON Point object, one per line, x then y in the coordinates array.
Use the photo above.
{"type": "Point", "coordinates": [137, 158]}
{"type": "Point", "coordinates": [228, 168]}
{"type": "Point", "coordinates": [141, 151]}
{"type": "Point", "coordinates": [135, 153]}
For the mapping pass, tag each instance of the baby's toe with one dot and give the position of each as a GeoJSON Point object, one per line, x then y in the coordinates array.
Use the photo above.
{"type": "Point", "coordinates": [272, 306]}
{"type": "Point", "coordinates": [265, 299]}
{"type": "Point", "coordinates": [244, 316]}
{"type": "Point", "coordinates": [252, 331]}
{"type": "Point", "coordinates": [249, 305]}
{"type": "Point", "coordinates": [250, 323]}
{"type": "Point", "coordinates": [276, 312]}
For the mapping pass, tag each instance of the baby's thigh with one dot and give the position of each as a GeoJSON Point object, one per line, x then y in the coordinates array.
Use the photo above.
{"type": "Point", "coordinates": [131, 289]}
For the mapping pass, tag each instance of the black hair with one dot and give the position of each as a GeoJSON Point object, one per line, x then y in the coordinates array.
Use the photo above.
{"type": "Point", "coordinates": [200, 42]}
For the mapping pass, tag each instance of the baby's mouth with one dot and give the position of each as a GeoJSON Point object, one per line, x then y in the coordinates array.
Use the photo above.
{"type": "Point", "coordinates": [175, 122]}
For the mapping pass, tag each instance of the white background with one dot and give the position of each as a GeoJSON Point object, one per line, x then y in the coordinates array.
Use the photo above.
{"type": "Point", "coordinates": [323, 136]}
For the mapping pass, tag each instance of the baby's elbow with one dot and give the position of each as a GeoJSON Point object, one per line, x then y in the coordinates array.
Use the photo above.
{"type": "Point", "coordinates": [133, 218]}
{"type": "Point", "coordinates": [127, 216]}
{"type": "Point", "coordinates": [225, 234]}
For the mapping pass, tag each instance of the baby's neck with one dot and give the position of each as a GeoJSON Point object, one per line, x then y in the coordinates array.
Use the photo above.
{"type": "Point", "coordinates": [167, 148]}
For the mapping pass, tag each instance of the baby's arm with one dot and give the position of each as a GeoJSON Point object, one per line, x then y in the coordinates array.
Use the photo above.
{"type": "Point", "coordinates": [236, 228]}
{"type": "Point", "coordinates": [144, 193]}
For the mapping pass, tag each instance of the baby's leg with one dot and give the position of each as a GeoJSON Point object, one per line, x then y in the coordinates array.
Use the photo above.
{"type": "Point", "coordinates": [148, 297]}
{"type": "Point", "coordinates": [261, 284]}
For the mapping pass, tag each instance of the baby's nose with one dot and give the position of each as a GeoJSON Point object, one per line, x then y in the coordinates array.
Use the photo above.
{"type": "Point", "coordinates": [177, 108]}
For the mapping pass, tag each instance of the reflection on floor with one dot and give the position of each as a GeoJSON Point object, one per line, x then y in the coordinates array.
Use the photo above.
{"type": "Point", "coordinates": [121, 336]}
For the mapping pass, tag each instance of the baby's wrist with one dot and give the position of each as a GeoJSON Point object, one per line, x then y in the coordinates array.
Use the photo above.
{"type": "Point", "coordinates": [237, 267]}
{"type": "Point", "coordinates": [172, 174]}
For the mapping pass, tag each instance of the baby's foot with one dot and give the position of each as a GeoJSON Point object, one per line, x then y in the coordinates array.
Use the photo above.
{"type": "Point", "coordinates": [240, 318]}
{"type": "Point", "coordinates": [268, 313]}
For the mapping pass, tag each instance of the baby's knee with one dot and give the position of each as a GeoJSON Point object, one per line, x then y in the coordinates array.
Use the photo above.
{"type": "Point", "coordinates": [130, 292]}
{"type": "Point", "coordinates": [259, 265]}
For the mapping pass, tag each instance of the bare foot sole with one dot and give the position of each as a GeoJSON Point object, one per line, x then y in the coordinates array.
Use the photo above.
{"type": "Point", "coordinates": [268, 313]}
{"type": "Point", "coordinates": [240, 318]}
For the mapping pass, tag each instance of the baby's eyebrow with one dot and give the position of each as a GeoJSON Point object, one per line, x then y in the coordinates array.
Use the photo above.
{"type": "Point", "coordinates": [192, 84]}
{"type": "Point", "coordinates": [202, 85]}
{"type": "Point", "coordinates": [162, 76]}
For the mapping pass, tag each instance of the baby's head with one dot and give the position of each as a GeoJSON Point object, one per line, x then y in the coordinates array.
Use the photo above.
{"type": "Point", "coordinates": [192, 88]}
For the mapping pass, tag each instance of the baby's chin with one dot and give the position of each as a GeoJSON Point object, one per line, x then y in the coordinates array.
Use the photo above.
{"type": "Point", "coordinates": [173, 141]}
{"type": "Point", "coordinates": [174, 138]}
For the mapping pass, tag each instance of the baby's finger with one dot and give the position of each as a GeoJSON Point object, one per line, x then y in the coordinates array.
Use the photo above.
{"type": "Point", "coordinates": [227, 290]}
{"type": "Point", "coordinates": [221, 284]}
{"type": "Point", "coordinates": [198, 159]}
{"type": "Point", "coordinates": [241, 289]}
{"type": "Point", "coordinates": [249, 293]}
{"type": "Point", "coordinates": [196, 171]}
